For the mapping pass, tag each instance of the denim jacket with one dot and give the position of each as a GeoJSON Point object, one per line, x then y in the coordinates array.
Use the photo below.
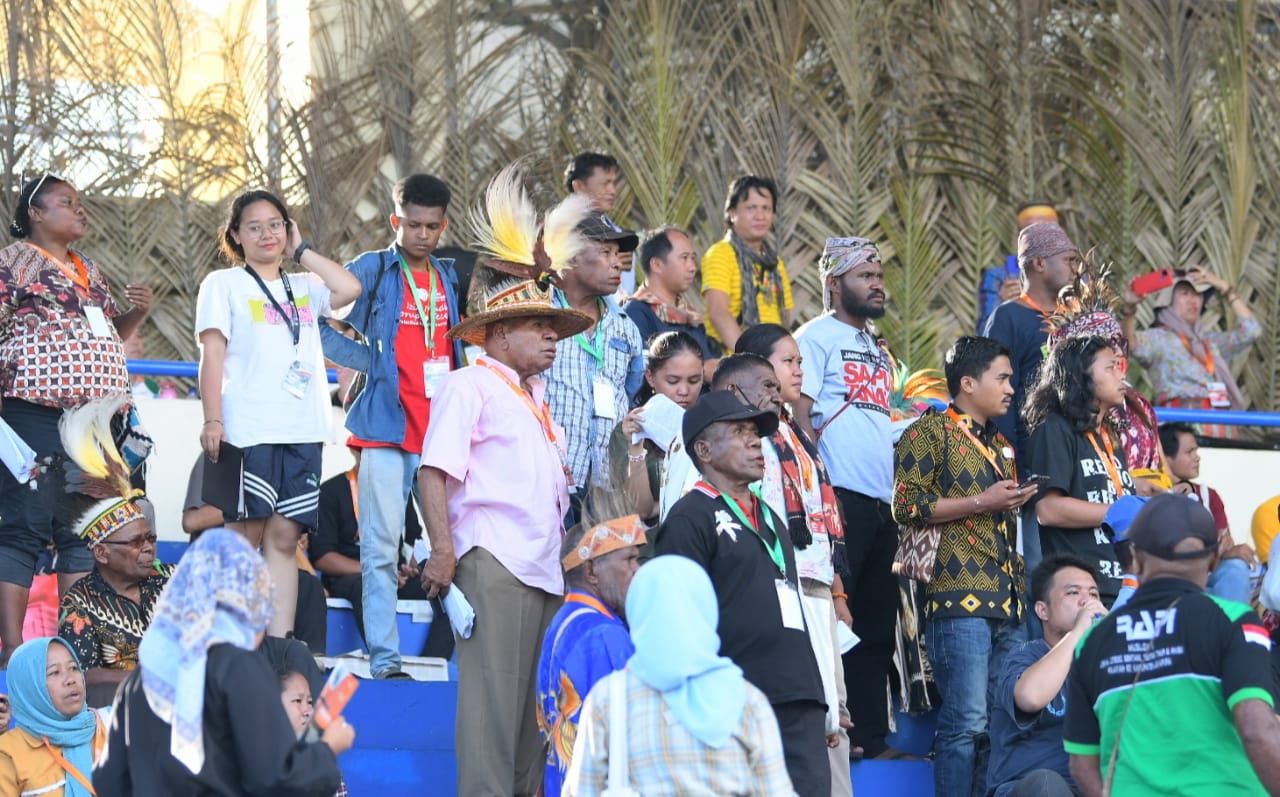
{"type": "Point", "coordinates": [377, 414]}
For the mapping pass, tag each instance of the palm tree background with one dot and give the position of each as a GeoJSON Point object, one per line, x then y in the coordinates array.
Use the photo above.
{"type": "Point", "coordinates": [1153, 125]}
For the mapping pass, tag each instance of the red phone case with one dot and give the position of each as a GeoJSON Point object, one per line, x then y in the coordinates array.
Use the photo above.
{"type": "Point", "coordinates": [1152, 282]}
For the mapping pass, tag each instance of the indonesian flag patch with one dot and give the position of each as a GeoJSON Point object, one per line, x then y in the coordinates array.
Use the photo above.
{"type": "Point", "coordinates": [1257, 635]}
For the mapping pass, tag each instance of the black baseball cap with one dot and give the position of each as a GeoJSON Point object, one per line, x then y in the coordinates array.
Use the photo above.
{"type": "Point", "coordinates": [597, 228]}
{"type": "Point", "coordinates": [723, 405]}
{"type": "Point", "coordinates": [1170, 518]}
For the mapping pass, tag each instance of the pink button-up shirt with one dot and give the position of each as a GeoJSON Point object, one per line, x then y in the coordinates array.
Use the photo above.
{"type": "Point", "coordinates": [505, 480]}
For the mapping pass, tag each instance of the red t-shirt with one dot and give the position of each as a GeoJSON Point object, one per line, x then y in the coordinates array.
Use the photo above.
{"type": "Point", "coordinates": [1203, 492]}
{"type": "Point", "coordinates": [412, 354]}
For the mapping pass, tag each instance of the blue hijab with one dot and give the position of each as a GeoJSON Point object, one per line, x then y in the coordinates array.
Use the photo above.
{"type": "Point", "coordinates": [673, 613]}
{"type": "Point", "coordinates": [34, 712]}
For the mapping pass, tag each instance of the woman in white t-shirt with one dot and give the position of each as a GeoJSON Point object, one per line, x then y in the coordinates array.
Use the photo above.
{"type": "Point", "coordinates": [262, 378]}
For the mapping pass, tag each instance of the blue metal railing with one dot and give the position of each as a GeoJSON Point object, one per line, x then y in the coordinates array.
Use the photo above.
{"type": "Point", "coordinates": [1226, 417]}
{"type": "Point", "coordinates": [185, 369]}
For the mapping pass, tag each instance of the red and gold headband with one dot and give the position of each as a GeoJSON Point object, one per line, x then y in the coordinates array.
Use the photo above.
{"type": "Point", "coordinates": [107, 517]}
{"type": "Point", "coordinates": [606, 537]}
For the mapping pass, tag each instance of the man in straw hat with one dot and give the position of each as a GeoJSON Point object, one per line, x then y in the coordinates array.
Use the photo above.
{"type": "Point", "coordinates": [1173, 693]}
{"type": "Point", "coordinates": [494, 487]}
{"type": "Point", "coordinates": [588, 639]}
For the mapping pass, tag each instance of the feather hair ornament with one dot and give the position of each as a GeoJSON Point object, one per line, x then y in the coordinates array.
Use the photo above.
{"type": "Point", "coordinates": [560, 237]}
{"type": "Point", "coordinates": [1087, 307]}
{"type": "Point", "coordinates": [506, 229]}
{"type": "Point", "coordinates": [86, 436]}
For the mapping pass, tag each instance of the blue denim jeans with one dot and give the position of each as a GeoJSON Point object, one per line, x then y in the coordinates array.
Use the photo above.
{"type": "Point", "coordinates": [1230, 581]}
{"type": "Point", "coordinates": [385, 478]}
{"type": "Point", "coordinates": [967, 654]}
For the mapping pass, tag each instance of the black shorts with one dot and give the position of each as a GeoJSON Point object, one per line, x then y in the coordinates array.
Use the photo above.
{"type": "Point", "coordinates": [284, 479]}
{"type": "Point", "coordinates": [27, 523]}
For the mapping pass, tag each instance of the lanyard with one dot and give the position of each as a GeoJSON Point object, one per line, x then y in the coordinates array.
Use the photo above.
{"type": "Point", "coordinates": [428, 329]}
{"type": "Point", "coordinates": [983, 449]}
{"type": "Point", "coordinates": [69, 767]}
{"type": "Point", "coordinates": [80, 276]}
{"type": "Point", "coordinates": [355, 499]}
{"type": "Point", "coordinates": [587, 600]}
{"type": "Point", "coordinates": [596, 347]}
{"type": "Point", "coordinates": [543, 415]}
{"type": "Point", "coordinates": [1108, 459]}
{"type": "Point", "coordinates": [775, 550]}
{"type": "Point", "coordinates": [1029, 302]}
{"type": "Point", "coordinates": [294, 321]}
{"type": "Point", "coordinates": [1206, 360]}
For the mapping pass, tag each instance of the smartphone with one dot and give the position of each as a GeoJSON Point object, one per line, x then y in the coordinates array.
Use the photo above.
{"type": "Point", "coordinates": [1033, 480]}
{"type": "Point", "coordinates": [1150, 283]}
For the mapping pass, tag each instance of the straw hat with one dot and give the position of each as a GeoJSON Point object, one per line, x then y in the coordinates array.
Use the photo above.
{"type": "Point", "coordinates": [524, 256]}
{"type": "Point", "coordinates": [512, 297]}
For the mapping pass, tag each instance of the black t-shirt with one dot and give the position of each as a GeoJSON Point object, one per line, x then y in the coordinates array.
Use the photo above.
{"type": "Point", "coordinates": [1022, 742]}
{"type": "Point", "coordinates": [337, 527]}
{"type": "Point", "coordinates": [1073, 466]}
{"type": "Point", "coordinates": [777, 660]}
{"type": "Point", "coordinates": [1022, 329]}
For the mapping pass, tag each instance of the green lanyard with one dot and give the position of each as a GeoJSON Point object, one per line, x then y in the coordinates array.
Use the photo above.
{"type": "Point", "coordinates": [775, 550]}
{"type": "Point", "coordinates": [428, 329]}
{"type": "Point", "coordinates": [594, 348]}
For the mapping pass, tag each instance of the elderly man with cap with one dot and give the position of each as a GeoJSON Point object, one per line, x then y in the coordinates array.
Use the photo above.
{"type": "Point", "coordinates": [587, 639]}
{"type": "Point", "coordinates": [1173, 694]}
{"type": "Point", "coordinates": [1048, 261]}
{"type": "Point", "coordinates": [844, 405]}
{"type": "Point", "coordinates": [725, 526]}
{"type": "Point", "coordinates": [598, 370]}
{"type": "Point", "coordinates": [494, 487]}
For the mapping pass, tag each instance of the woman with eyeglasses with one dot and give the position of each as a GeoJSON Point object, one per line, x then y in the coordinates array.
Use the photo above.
{"type": "Point", "coordinates": [262, 378]}
{"type": "Point", "coordinates": [61, 347]}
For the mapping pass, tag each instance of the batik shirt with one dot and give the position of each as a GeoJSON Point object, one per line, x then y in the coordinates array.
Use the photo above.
{"type": "Point", "coordinates": [50, 352]}
{"type": "Point", "coordinates": [103, 626]}
{"type": "Point", "coordinates": [978, 571]}
{"type": "Point", "coordinates": [584, 643]}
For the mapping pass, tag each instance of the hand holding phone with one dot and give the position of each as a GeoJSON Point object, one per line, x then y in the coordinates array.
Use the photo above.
{"type": "Point", "coordinates": [1033, 480]}
{"type": "Point", "coordinates": [1151, 282]}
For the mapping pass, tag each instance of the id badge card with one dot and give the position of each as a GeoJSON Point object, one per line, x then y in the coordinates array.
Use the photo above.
{"type": "Point", "coordinates": [433, 370]}
{"type": "Point", "coordinates": [97, 321]}
{"type": "Point", "coordinates": [789, 602]}
{"type": "Point", "coordinates": [603, 397]}
{"type": "Point", "coordinates": [297, 379]}
{"type": "Point", "coordinates": [1218, 396]}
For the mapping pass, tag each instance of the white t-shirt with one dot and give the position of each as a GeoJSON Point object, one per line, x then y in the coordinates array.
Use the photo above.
{"type": "Point", "coordinates": [814, 561]}
{"type": "Point", "coordinates": [858, 445]}
{"type": "Point", "coordinates": [256, 406]}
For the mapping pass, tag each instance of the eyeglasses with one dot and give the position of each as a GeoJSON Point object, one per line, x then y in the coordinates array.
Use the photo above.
{"type": "Point", "coordinates": [275, 227]}
{"type": "Point", "coordinates": [137, 543]}
{"type": "Point", "coordinates": [36, 190]}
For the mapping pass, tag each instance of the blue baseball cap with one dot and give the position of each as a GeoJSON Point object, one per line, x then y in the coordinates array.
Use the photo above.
{"type": "Point", "coordinates": [1120, 516]}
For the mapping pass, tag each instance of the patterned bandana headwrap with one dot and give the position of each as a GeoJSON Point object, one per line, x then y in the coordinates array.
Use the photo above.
{"type": "Point", "coordinates": [841, 255]}
{"type": "Point", "coordinates": [1044, 239]}
{"type": "Point", "coordinates": [606, 537]}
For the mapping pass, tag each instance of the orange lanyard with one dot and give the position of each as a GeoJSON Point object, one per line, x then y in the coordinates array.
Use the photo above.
{"type": "Point", "coordinates": [543, 415]}
{"type": "Point", "coordinates": [68, 766]}
{"type": "Point", "coordinates": [1108, 460]}
{"type": "Point", "coordinates": [355, 498]}
{"type": "Point", "coordinates": [1029, 302]}
{"type": "Point", "coordinates": [1206, 360]}
{"type": "Point", "coordinates": [982, 449]}
{"type": "Point", "coordinates": [587, 600]}
{"type": "Point", "coordinates": [80, 276]}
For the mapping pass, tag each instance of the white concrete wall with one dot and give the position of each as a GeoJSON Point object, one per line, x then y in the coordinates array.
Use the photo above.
{"type": "Point", "coordinates": [1244, 479]}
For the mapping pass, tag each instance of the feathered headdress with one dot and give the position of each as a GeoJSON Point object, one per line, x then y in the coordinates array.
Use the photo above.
{"type": "Point", "coordinates": [100, 496]}
{"type": "Point", "coordinates": [1087, 307]}
{"type": "Point", "coordinates": [515, 279]}
{"type": "Point", "coordinates": [911, 393]}
{"type": "Point", "coordinates": [508, 232]}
